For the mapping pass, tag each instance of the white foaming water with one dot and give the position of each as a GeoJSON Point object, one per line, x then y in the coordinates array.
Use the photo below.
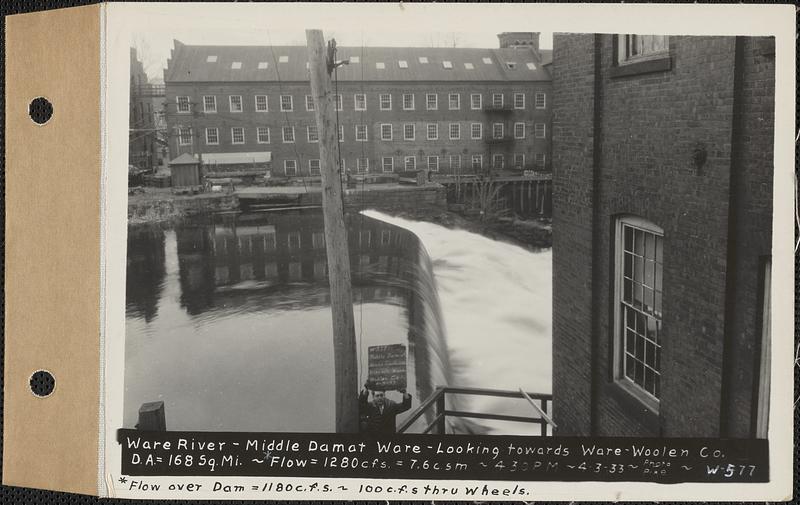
{"type": "Point", "coordinates": [496, 302]}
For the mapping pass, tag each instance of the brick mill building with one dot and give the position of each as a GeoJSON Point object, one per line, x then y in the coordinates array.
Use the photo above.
{"type": "Point", "coordinates": [450, 110]}
{"type": "Point", "coordinates": [662, 233]}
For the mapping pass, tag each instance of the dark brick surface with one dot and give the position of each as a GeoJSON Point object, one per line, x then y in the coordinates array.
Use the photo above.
{"type": "Point", "coordinates": [647, 126]}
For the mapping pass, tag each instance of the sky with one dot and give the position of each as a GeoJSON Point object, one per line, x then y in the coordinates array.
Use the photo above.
{"type": "Point", "coordinates": [412, 25]}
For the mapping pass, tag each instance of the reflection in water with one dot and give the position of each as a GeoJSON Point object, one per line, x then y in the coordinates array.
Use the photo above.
{"type": "Point", "coordinates": [228, 319]}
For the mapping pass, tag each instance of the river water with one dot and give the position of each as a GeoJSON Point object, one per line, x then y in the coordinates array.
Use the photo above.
{"type": "Point", "coordinates": [228, 319]}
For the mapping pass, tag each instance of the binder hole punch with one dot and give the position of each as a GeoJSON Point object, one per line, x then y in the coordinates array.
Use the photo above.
{"type": "Point", "coordinates": [42, 383]}
{"type": "Point", "coordinates": [40, 110]}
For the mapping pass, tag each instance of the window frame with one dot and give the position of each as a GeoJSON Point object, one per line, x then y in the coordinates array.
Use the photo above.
{"type": "Point", "coordinates": [502, 161]}
{"type": "Point", "coordinates": [178, 104]}
{"type": "Point", "coordinates": [206, 109]}
{"type": "Point", "coordinates": [355, 101]}
{"type": "Point", "coordinates": [290, 108]}
{"type": "Point", "coordinates": [365, 130]}
{"type": "Point", "coordinates": [638, 392]}
{"type": "Point", "coordinates": [308, 134]}
{"type": "Point", "coordinates": [428, 105]}
{"type": "Point", "coordinates": [266, 103]}
{"type": "Point", "coordinates": [286, 169]}
{"type": "Point", "coordinates": [230, 104]}
{"type": "Point", "coordinates": [188, 135]}
{"type": "Point", "coordinates": [406, 159]}
{"type": "Point", "coordinates": [518, 156]}
{"type": "Point", "coordinates": [413, 136]}
{"type": "Point", "coordinates": [543, 95]}
{"type": "Point", "coordinates": [381, 101]}
{"type": "Point", "coordinates": [472, 101]}
{"type": "Point", "coordinates": [283, 135]}
{"type": "Point", "coordinates": [338, 102]}
{"type": "Point", "coordinates": [310, 105]}
{"type": "Point", "coordinates": [435, 159]}
{"type": "Point", "coordinates": [456, 166]}
{"type": "Point", "coordinates": [536, 128]}
{"type": "Point", "coordinates": [391, 164]}
{"type": "Point", "coordinates": [502, 100]}
{"type": "Point", "coordinates": [258, 135]}
{"type": "Point", "coordinates": [312, 169]}
{"type": "Point", "coordinates": [359, 165]}
{"type": "Point", "coordinates": [472, 131]}
{"type": "Point", "coordinates": [450, 127]}
{"type": "Point", "coordinates": [457, 101]}
{"type": "Point", "coordinates": [435, 135]}
{"type": "Point", "coordinates": [233, 135]}
{"type": "Point", "coordinates": [479, 158]}
{"type": "Point", "coordinates": [412, 107]}
{"type": "Point", "coordinates": [517, 125]}
{"type": "Point", "coordinates": [216, 134]}
{"type": "Point", "coordinates": [518, 95]}
{"type": "Point", "coordinates": [391, 132]}
{"type": "Point", "coordinates": [502, 129]}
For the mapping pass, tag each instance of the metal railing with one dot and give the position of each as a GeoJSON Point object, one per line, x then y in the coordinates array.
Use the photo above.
{"type": "Point", "coordinates": [438, 401]}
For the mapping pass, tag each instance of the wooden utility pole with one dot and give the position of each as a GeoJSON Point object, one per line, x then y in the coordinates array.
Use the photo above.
{"type": "Point", "coordinates": [321, 62]}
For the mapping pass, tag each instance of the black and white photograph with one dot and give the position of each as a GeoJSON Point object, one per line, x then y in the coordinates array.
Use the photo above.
{"type": "Point", "coordinates": [485, 229]}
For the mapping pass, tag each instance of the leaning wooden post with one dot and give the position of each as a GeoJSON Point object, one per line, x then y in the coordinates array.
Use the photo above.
{"type": "Point", "coordinates": [321, 63]}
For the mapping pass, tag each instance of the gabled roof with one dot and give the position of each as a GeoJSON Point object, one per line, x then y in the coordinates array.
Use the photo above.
{"type": "Point", "coordinates": [190, 63]}
{"type": "Point", "coordinates": [184, 159]}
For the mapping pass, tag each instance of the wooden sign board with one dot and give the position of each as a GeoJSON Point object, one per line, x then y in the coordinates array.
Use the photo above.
{"type": "Point", "coordinates": [387, 367]}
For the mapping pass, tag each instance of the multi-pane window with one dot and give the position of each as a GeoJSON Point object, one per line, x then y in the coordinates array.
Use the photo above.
{"type": "Point", "coordinates": [540, 130]}
{"type": "Point", "coordinates": [387, 164]}
{"type": "Point", "coordinates": [455, 131]}
{"type": "Point", "coordinates": [519, 100]}
{"type": "Point", "coordinates": [212, 136]}
{"type": "Point", "coordinates": [497, 130]}
{"type": "Point", "coordinates": [290, 168]}
{"type": "Point", "coordinates": [314, 167]}
{"type": "Point", "coordinates": [310, 103]}
{"type": "Point", "coordinates": [338, 102]}
{"type": "Point", "coordinates": [261, 103]}
{"type": "Point", "coordinates": [361, 133]}
{"type": "Point", "coordinates": [498, 161]}
{"type": "Point", "coordinates": [408, 102]}
{"type": "Point", "coordinates": [519, 160]}
{"type": "Point", "coordinates": [455, 162]}
{"type": "Point", "coordinates": [497, 99]}
{"type": "Point", "coordinates": [312, 133]}
{"type": "Point", "coordinates": [409, 132]}
{"type": "Point", "coordinates": [341, 133]}
{"type": "Point", "coordinates": [477, 161]}
{"type": "Point", "coordinates": [235, 103]}
{"type": "Point", "coordinates": [262, 134]}
{"type": "Point", "coordinates": [210, 104]}
{"type": "Point", "coordinates": [411, 163]}
{"type": "Point", "coordinates": [362, 165]}
{"type": "Point", "coordinates": [287, 104]}
{"type": "Point", "coordinates": [433, 131]}
{"type": "Point", "coordinates": [632, 48]}
{"type": "Point", "coordinates": [540, 100]}
{"type": "Point", "coordinates": [454, 101]}
{"type": "Point", "coordinates": [184, 107]}
{"type": "Point", "coordinates": [288, 134]}
{"type": "Point", "coordinates": [237, 135]}
{"type": "Point", "coordinates": [476, 101]}
{"type": "Point", "coordinates": [519, 130]}
{"type": "Point", "coordinates": [433, 163]}
{"type": "Point", "coordinates": [184, 135]}
{"type": "Point", "coordinates": [386, 101]}
{"type": "Point", "coordinates": [540, 159]}
{"type": "Point", "coordinates": [386, 131]}
{"type": "Point", "coordinates": [638, 297]}
{"type": "Point", "coordinates": [476, 131]}
{"type": "Point", "coordinates": [360, 101]}
{"type": "Point", "coordinates": [432, 101]}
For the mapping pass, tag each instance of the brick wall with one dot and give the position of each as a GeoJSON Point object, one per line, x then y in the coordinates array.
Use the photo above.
{"type": "Point", "coordinates": [573, 99]}
{"type": "Point", "coordinates": [375, 149]}
{"type": "Point", "coordinates": [647, 127]}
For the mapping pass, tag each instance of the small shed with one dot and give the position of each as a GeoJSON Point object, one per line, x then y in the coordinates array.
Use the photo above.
{"type": "Point", "coordinates": [185, 171]}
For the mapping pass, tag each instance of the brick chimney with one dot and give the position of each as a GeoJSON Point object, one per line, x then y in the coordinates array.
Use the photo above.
{"type": "Point", "coordinates": [519, 39]}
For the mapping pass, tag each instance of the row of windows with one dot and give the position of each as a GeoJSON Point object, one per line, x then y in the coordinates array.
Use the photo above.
{"type": "Point", "coordinates": [408, 102]}
{"type": "Point", "coordinates": [409, 132]}
{"type": "Point", "coordinates": [434, 163]}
